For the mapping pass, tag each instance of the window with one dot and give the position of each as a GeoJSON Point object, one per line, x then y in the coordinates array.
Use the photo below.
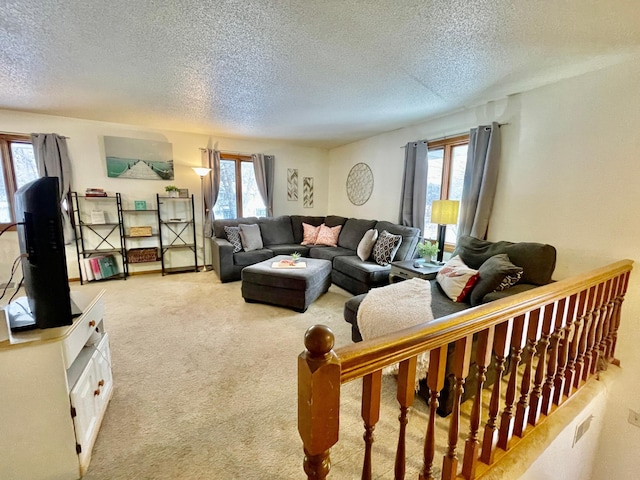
{"type": "Point", "coordinates": [18, 168]}
{"type": "Point", "coordinates": [447, 160]}
{"type": "Point", "coordinates": [238, 195]}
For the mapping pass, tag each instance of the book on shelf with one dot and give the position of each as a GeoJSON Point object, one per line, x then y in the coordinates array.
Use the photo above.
{"type": "Point", "coordinates": [98, 216]}
{"type": "Point", "coordinates": [95, 192]}
{"type": "Point", "coordinates": [98, 268]}
{"type": "Point", "coordinates": [108, 266]}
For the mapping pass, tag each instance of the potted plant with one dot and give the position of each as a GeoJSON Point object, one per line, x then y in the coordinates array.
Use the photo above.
{"type": "Point", "coordinates": [295, 256]}
{"type": "Point", "coordinates": [427, 250]}
{"type": "Point", "coordinates": [172, 190]}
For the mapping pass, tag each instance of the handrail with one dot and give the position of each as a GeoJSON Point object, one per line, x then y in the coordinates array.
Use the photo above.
{"type": "Point", "coordinates": [363, 358]}
{"type": "Point", "coordinates": [548, 341]}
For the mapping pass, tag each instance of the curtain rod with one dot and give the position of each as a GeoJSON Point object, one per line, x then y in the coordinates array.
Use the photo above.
{"type": "Point", "coordinates": [231, 153]}
{"type": "Point", "coordinates": [17, 134]}
{"type": "Point", "coordinates": [446, 136]}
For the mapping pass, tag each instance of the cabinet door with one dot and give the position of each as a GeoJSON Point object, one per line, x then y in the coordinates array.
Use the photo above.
{"type": "Point", "coordinates": [82, 398]}
{"type": "Point", "coordinates": [102, 368]}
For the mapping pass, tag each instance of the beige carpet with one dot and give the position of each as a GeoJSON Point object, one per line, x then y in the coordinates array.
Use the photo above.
{"type": "Point", "coordinates": [205, 388]}
{"type": "Point", "coordinates": [205, 385]}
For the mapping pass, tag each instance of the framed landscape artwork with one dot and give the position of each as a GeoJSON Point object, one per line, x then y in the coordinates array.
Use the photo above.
{"type": "Point", "coordinates": [138, 159]}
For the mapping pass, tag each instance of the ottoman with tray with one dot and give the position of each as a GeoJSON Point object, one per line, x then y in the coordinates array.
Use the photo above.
{"type": "Point", "coordinates": [293, 287]}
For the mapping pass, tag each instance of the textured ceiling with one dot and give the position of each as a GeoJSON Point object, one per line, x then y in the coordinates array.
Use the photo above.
{"type": "Point", "coordinates": [319, 73]}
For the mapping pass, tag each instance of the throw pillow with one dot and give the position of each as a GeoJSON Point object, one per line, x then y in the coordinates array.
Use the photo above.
{"type": "Point", "coordinates": [496, 273]}
{"type": "Point", "coordinates": [386, 247]}
{"type": "Point", "coordinates": [457, 279]}
{"type": "Point", "coordinates": [328, 235]}
{"type": "Point", "coordinates": [309, 234]}
{"type": "Point", "coordinates": [251, 237]}
{"type": "Point", "coordinates": [233, 235]}
{"type": "Point", "coordinates": [365, 247]}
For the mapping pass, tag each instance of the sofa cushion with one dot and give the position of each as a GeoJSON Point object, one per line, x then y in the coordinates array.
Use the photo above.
{"type": "Point", "coordinates": [334, 220]}
{"type": "Point", "coordinates": [329, 253]}
{"type": "Point", "coordinates": [367, 272]}
{"type": "Point", "coordinates": [457, 279]}
{"type": "Point", "coordinates": [353, 231]}
{"type": "Point", "coordinates": [386, 247]}
{"type": "Point", "coordinates": [296, 225]}
{"type": "Point", "coordinates": [410, 237]}
{"type": "Point", "coordinates": [249, 258]}
{"type": "Point", "coordinates": [365, 247]}
{"type": "Point", "coordinates": [233, 235]}
{"type": "Point", "coordinates": [328, 235]}
{"type": "Point", "coordinates": [288, 249]}
{"type": "Point", "coordinates": [536, 259]}
{"type": "Point", "coordinates": [309, 234]}
{"type": "Point", "coordinates": [276, 230]}
{"type": "Point", "coordinates": [218, 225]}
{"type": "Point", "coordinates": [251, 237]}
{"type": "Point", "coordinates": [497, 273]}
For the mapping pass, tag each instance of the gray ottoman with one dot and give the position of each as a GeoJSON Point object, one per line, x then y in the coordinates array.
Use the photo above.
{"type": "Point", "coordinates": [291, 288]}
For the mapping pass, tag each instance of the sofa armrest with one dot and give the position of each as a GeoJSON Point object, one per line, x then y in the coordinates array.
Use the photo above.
{"type": "Point", "coordinates": [222, 258]}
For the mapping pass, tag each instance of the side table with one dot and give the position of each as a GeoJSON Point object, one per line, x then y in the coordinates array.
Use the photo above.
{"type": "Point", "coordinates": [417, 268]}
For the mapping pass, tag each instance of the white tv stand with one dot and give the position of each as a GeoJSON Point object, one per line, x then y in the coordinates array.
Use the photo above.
{"type": "Point", "coordinates": [55, 385]}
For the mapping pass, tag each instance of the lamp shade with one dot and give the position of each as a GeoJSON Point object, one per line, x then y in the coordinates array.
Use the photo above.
{"type": "Point", "coordinates": [201, 171]}
{"type": "Point", "coordinates": [445, 212]}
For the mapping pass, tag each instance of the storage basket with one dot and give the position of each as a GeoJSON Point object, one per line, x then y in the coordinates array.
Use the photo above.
{"type": "Point", "coordinates": [140, 231]}
{"type": "Point", "coordinates": [140, 255]}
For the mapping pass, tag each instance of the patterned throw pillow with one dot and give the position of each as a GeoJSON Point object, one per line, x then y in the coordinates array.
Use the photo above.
{"type": "Point", "coordinates": [509, 281]}
{"type": "Point", "coordinates": [365, 247]}
{"type": "Point", "coordinates": [328, 235]}
{"type": "Point", "coordinates": [496, 273]}
{"type": "Point", "coordinates": [386, 247]}
{"type": "Point", "coordinates": [233, 235]}
{"type": "Point", "coordinates": [309, 234]}
{"type": "Point", "coordinates": [457, 279]}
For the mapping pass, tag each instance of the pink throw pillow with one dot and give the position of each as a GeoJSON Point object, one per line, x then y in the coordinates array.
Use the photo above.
{"type": "Point", "coordinates": [457, 279]}
{"type": "Point", "coordinates": [309, 234]}
{"type": "Point", "coordinates": [328, 235]}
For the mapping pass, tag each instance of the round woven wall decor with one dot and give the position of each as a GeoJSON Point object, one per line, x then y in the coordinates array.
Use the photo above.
{"type": "Point", "coordinates": [359, 183]}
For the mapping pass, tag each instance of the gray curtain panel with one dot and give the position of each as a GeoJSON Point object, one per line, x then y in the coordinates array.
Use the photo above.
{"type": "Point", "coordinates": [480, 179]}
{"type": "Point", "coordinates": [210, 159]}
{"type": "Point", "coordinates": [263, 166]}
{"type": "Point", "coordinates": [414, 185]}
{"type": "Point", "coordinates": [52, 160]}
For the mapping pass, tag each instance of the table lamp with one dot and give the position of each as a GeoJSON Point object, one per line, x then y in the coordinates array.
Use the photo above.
{"type": "Point", "coordinates": [203, 172]}
{"type": "Point", "coordinates": [444, 212]}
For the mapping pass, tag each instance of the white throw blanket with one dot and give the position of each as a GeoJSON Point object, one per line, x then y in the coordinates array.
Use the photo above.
{"type": "Point", "coordinates": [394, 307]}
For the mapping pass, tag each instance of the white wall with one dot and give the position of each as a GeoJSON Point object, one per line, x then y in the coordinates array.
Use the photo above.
{"type": "Point", "coordinates": [569, 176]}
{"type": "Point", "coordinates": [86, 149]}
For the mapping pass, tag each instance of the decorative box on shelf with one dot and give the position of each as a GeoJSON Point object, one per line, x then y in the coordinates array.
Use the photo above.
{"type": "Point", "coordinates": [140, 232]}
{"type": "Point", "coordinates": [141, 255]}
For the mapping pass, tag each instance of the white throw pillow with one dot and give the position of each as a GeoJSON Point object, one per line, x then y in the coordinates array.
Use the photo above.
{"type": "Point", "coordinates": [365, 247]}
{"type": "Point", "coordinates": [457, 279]}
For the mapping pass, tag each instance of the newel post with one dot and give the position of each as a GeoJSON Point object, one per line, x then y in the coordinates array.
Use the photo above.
{"type": "Point", "coordinates": [318, 400]}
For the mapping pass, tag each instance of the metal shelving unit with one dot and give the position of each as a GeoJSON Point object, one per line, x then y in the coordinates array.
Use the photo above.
{"type": "Point", "coordinates": [138, 247]}
{"type": "Point", "coordinates": [177, 233]}
{"type": "Point", "coordinates": [94, 237]}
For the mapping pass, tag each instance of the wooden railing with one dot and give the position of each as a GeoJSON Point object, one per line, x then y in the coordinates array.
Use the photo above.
{"type": "Point", "coordinates": [554, 338]}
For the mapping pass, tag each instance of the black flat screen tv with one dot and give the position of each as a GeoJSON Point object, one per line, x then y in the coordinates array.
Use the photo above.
{"type": "Point", "coordinates": [44, 264]}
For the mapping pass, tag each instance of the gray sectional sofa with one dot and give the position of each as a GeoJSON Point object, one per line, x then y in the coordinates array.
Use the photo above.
{"type": "Point", "coordinates": [282, 236]}
{"type": "Point", "coordinates": [538, 262]}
